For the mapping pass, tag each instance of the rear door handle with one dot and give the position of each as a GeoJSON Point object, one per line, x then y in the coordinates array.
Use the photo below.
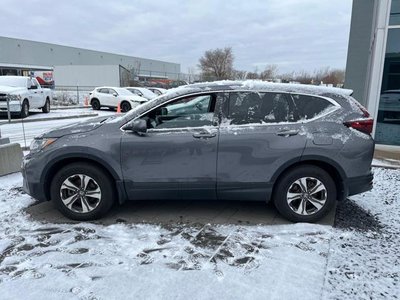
{"type": "Point", "coordinates": [287, 132]}
{"type": "Point", "coordinates": [204, 135]}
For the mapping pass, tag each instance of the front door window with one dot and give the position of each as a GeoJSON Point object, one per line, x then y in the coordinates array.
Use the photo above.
{"type": "Point", "coordinates": [193, 111]}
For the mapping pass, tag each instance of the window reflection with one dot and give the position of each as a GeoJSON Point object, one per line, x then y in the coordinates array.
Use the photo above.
{"type": "Point", "coordinates": [388, 118]}
{"type": "Point", "coordinates": [395, 13]}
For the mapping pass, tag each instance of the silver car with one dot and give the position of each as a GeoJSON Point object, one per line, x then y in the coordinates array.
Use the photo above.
{"type": "Point", "coordinates": [302, 147]}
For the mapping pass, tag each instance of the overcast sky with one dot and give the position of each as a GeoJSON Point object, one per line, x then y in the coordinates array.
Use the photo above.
{"type": "Point", "coordinates": [293, 34]}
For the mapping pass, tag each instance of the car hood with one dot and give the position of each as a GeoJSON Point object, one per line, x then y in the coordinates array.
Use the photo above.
{"type": "Point", "coordinates": [10, 89]}
{"type": "Point", "coordinates": [75, 128]}
{"type": "Point", "coordinates": [137, 99]}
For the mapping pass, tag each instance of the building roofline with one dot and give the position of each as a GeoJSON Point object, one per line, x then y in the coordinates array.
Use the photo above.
{"type": "Point", "coordinates": [86, 49]}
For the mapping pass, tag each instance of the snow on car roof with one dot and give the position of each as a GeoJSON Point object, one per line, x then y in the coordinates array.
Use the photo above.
{"type": "Point", "coordinates": [266, 86]}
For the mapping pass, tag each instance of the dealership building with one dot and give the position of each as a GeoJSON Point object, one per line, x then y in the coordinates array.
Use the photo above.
{"type": "Point", "coordinates": [373, 65]}
{"type": "Point", "coordinates": [70, 66]}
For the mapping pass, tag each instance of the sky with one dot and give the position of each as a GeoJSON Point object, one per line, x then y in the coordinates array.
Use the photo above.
{"type": "Point", "coordinates": [294, 35]}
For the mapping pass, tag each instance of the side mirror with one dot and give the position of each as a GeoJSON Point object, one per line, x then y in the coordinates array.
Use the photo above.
{"type": "Point", "coordinates": [33, 87]}
{"type": "Point", "coordinates": [115, 94]}
{"type": "Point", "coordinates": [138, 126]}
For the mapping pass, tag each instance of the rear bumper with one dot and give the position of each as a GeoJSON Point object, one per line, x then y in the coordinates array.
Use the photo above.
{"type": "Point", "coordinates": [360, 184]}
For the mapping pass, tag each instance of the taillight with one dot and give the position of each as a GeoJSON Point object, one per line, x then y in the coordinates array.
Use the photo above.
{"type": "Point", "coordinates": [363, 125]}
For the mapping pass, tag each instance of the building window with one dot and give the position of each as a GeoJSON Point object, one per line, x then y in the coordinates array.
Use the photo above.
{"type": "Point", "coordinates": [388, 119]}
{"type": "Point", "coordinates": [395, 13]}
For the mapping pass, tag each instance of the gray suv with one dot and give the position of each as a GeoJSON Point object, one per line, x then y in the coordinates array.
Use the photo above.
{"type": "Point", "coordinates": [302, 147]}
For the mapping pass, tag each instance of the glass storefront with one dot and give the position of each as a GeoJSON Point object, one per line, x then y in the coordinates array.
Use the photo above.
{"type": "Point", "coordinates": [395, 13]}
{"type": "Point", "coordinates": [388, 118]}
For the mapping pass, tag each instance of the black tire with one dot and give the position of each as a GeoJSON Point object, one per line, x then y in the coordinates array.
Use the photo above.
{"type": "Point", "coordinates": [100, 178]}
{"type": "Point", "coordinates": [288, 181]}
{"type": "Point", "coordinates": [46, 107]}
{"type": "Point", "coordinates": [95, 104]}
{"type": "Point", "coordinates": [125, 106]}
{"type": "Point", "coordinates": [24, 109]}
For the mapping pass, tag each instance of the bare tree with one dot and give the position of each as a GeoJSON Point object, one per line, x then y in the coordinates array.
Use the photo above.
{"type": "Point", "coordinates": [217, 64]}
{"type": "Point", "coordinates": [239, 74]}
{"type": "Point", "coordinates": [252, 75]}
{"type": "Point", "coordinates": [269, 72]}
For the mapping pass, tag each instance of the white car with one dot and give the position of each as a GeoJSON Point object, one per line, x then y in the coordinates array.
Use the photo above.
{"type": "Point", "coordinates": [110, 97]}
{"type": "Point", "coordinates": [142, 92]}
{"type": "Point", "coordinates": [157, 91]}
{"type": "Point", "coordinates": [24, 93]}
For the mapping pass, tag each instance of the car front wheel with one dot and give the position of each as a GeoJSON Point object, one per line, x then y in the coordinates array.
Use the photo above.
{"type": "Point", "coordinates": [82, 192]}
{"type": "Point", "coordinates": [125, 107]}
{"type": "Point", "coordinates": [24, 109]}
{"type": "Point", "coordinates": [46, 107]}
{"type": "Point", "coordinates": [96, 104]}
{"type": "Point", "coordinates": [305, 194]}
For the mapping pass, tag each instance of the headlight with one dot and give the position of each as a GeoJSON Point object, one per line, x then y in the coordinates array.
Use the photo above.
{"type": "Point", "coordinates": [14, 97]}
{"type": "Point", "coordinates": [40, 144]}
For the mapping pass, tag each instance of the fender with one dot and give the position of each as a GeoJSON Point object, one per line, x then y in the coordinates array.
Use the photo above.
{"type": "Point", "coordinates": [305, 158]}
{"type": "Point", "coordinates": [95, 156]}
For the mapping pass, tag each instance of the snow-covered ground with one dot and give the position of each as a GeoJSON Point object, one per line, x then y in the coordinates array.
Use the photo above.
{"type": "Point", "coordinates": [15, 131]}
{"type": "Point", "coordinates": [358, 259]}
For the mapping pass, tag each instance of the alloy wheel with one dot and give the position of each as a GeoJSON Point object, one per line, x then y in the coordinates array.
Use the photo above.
{"type": "Point", "coordinates": [80, 193]}
{"type": "Point", "coordinates": [306, 196]}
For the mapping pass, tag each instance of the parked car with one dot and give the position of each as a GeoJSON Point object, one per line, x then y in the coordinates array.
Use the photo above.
{"type": "Point", "coordinates": [158, 91]}
{"type": "Point", "coordinates": [112, 96]}
{"type": "Point", "coordinates": [302, 147]}
{"type": "Point", "coordinates": [24, 93]}
{"type": "Point", "coordinates": [142, 92]}
{"type": "Point", "coordinates": [389, 105]}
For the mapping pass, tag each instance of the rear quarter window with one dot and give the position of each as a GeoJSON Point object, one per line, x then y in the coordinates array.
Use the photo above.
{"type": "Point", "coordinates": [309, 107]}
{"type": "Point", "coordinates": [258, 107]}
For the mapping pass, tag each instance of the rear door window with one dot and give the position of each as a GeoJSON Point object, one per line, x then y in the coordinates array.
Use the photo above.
{"type": "Point", "coordinates": [104, 91]}
{"type": "Point", "coordinates": [309, 107]}
{"type": "Point", "coordinates": [259, 107]}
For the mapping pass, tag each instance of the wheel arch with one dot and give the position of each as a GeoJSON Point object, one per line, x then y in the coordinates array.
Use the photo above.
{"type": "Point", "coordinates": [126, 101]}
{"type": "Point", "coordinates": [328, 165]}
{"type": "Point", "coordinates": [56, 165]}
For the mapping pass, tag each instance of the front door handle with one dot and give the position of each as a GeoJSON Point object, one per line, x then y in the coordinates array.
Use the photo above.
{"type": "Point", "coordinates": [287, 132]}
{"type": "Point", "coordinates": [204, 135]}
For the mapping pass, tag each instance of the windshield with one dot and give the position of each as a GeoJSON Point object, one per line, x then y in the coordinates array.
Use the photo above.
{"type": "Point", "coordinates": [13, 81]}
{"type": "Point", "coordinates": [123, 92]}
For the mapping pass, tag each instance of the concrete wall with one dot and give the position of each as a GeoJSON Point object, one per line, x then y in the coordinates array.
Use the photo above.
{"type": "Point", "coordinates": [10, 158]}
{"type": "Point", "coordinates": [17, 51]}
{"type": "Point", "coordinates": [359, 52]}
{"type": "Point", "coordinates": [87, 75]}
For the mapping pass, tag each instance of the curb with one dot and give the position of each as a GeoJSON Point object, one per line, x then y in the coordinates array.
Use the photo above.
{"type": "Point", "coordinates": [50, 119]}
{"type": "Point", "coordinates": [68, 107]}
{"type": "Point", "coordinates": [385, 166]}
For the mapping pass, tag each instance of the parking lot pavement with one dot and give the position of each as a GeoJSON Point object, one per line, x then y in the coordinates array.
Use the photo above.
{"type": "Point", "coordinates": [172, 212]}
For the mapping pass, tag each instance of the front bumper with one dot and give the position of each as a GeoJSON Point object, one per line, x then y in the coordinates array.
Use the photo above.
{"type": "Point", "coordinates": [359, 184]}
{"type": "Point", "coordinates": [33, 188]}
{"type": "Point", "coordinates": [15, 106]}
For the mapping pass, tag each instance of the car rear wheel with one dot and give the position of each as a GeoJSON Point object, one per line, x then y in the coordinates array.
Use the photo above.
{"type": "Point", "coordinates": [125, 106]}
{"type": "Point", "coordinates": [305, 194]}
{"type": "Point", "coordinates": [82, 192]}
{"type": "Point", "coordinates": [95, 104]}
{"type": "Point", "coordinates": [46, 107]}
{"type": "Point", "coordinates": [24, 109]}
